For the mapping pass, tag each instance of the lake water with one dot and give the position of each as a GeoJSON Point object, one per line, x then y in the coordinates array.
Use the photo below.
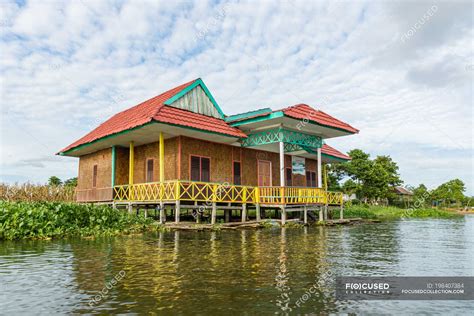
{"type": "Point", "coordinates": [233, 272]}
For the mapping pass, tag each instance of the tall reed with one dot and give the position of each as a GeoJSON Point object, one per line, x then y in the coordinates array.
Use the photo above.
{"type": "Point", "coordinates": [28, 192]}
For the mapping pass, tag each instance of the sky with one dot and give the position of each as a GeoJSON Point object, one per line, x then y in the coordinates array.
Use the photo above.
{"type": "Point", "coordinates": [400, 72]}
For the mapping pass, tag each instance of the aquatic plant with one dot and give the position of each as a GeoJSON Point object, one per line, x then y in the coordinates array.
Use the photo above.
{"type": "Point", "coordinates": [390, 212]}
{"type": "Point", "coordinates": [53, 219]}
{"type": "Point", "coordinates": [294, 225]}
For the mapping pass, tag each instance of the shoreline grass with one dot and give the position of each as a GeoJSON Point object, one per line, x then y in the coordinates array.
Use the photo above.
{"type": "Point", "coordinates": [391, 213]}
{"type": "Point", "coordinates": [46, 220]}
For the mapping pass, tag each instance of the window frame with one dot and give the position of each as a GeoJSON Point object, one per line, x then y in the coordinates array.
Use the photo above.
{"type": "Point", "coordinates": [200, 167]}
{"type": "Point", "coordinates": [315, 180]}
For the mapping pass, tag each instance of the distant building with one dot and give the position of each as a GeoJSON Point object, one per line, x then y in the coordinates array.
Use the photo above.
{"type": "Point", "coordinates": [404, 196]}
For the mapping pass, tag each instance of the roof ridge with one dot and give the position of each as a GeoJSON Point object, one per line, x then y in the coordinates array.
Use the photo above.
{"type": "Point", "coordinates": [294, 106]}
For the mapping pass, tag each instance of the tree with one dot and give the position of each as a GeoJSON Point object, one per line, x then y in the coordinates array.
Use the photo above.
{"type": "Point", "coordinates": [54, 181]}
{"type": "Point", "coordinates": [349, 187]}
{"type": "Point", "coordinates": [333, 178]}
{"type": "Point", "coordinates": [72, 182]}
{"type": "Point", "coordinates": [374, 179]}
{"type": "Point", "coordinates": [451, 191]}
{"type": "Point", "coordinates": [421, 195]}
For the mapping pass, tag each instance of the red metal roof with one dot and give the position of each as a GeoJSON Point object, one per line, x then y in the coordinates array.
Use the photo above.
{"type": "Point", "coordinates": [328, 150]}
{"type": "Point", "coordinates": [305, 112]}
{"type": "Point", "coordinates": [154, 109]}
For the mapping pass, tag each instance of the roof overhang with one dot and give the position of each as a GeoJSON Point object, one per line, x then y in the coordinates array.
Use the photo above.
{"type": "Point", "coordinates": [275, 148]}
{"type": "Point", "coordinates": [145, 134]}
{"type": "Point", "coordinates": [278, 118]}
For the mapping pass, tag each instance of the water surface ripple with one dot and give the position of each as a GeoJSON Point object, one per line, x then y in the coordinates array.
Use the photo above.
{"type": "Point", "coordinates": [245, 271]}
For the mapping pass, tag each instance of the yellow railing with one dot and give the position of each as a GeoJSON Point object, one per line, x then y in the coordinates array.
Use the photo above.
{"type": "Point", "coordinates": [222, 192]}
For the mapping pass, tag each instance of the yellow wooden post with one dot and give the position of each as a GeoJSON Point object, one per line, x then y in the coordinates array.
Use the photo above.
{"type": "Point", "coordinates": [325, 177]}
{"type": "Point", "coordinates": [162, 158]}
{"type": "Point", "coordinates": [131, 163]}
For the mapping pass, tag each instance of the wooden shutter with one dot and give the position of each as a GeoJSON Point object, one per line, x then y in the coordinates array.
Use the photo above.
{"type": "Point", "coordinates": [149, 170]}
{"type": "Point", "coordinates": [195, 168]}
{"type": "Point", "coordinates": [94, 176]}
{"type": "Point", "coordinates": [205, 169]}
{"type": "Point", "coordinates": [237, 174]}
{"type": "Point", "coordinates": [311, 179]}
{"type": "Point", "coordinates": [264, 173]}
{"type": "Point", "coordinates": [289, 177]}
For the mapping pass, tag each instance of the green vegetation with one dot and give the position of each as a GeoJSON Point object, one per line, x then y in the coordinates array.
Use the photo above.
{"type": "Point", "coordinates": [390, 212]}
{"type": "Point", "coordinates": [369, 179]}
{"type": "Point", "coordinates": [20, 220]}
{"type": "Point", "coordinates": [373, 182]}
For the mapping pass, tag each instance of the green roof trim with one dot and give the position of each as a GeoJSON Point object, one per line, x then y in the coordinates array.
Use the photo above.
{"type": "Point", "coordinates": [102, 138]}
{"type": "Point", "coordinates": [270, 116]}
{"type": "Point", "coordinates": [196, 83]}
{"type": "Point", "coordinates": [244, 115]}
{"type": "Point", "coordinates": [278, 114]}
{"type": "Point", "coordinates": [276, 135]}
{"type": "Point", "coordinates": [335, 158]}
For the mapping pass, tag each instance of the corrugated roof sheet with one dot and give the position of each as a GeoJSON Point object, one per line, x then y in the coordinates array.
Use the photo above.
{"type": "Point", "coordinates": [328, 150]}
{"type": "Point", "coordinates": [305, 112]}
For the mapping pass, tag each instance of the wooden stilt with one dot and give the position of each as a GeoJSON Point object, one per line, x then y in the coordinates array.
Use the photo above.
{"type": "Point", "coordinates": [321, 217]}
{"type": "Point", "coordinates": [341, 212]}
{"type": "Point", "coordinates": [177, 211]}
{"type": "Point", "coordinates": [198, 218]}
{"type": "Point", "coordinates": [257, 212]}
{"type": "Point", "coordinates": [244, 212]}
{"type": "Point", "coordinates": [146, 213]}
{"type": "Point", "coordinates": [214, 213]}
{"type": "Point", "coordinates": [130, 208]}
{"type": "Point", "coordinates": [283, 216]}
{"type": "Point", "coordinates": [162, 213]}
{"type": "Point", "coordinates": [305, 215]}
{"type": "Point", "coordinates": [227, 215]}
{"type": "Point", "coordinates": [326, 212]}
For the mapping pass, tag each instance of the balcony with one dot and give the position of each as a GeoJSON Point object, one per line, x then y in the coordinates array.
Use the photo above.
{"type": "Point", "coordinates": [221, 193]}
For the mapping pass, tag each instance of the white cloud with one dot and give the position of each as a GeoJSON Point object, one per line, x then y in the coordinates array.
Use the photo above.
{"type": "Point", "coordinates": [65, 67]}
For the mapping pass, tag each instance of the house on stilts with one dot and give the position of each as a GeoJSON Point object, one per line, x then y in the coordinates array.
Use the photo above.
{"type": "Point", "coordinates": [178, 152]}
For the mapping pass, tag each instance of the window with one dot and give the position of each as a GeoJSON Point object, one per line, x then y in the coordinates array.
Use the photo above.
{"type": "Point", "coordinates": [200, 169]}
{"type": "Point", "coordinates": [311, 179]}
{"type": "Point", "coordinates": [289, 177]}
{"type": "Point", "coordinates": [237, 175]}
{"type": "Point", "coordinates": [94, 176]}
{"type": "Point", "coordinates": [149, 170]}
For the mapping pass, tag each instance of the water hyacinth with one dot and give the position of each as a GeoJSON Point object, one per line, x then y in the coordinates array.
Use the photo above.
{"type": "Point", "coordinates": [20, 220]}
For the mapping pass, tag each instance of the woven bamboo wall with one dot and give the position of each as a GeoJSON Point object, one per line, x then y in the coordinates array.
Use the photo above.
{"type": "Point", "coordinates": [219, 154]}
{"type": "Point", "coordinates": [103, 160]}
{"type": "Point", "coordinates": [121, 165]}
{"type": "Point", "coordinates": [151, 151]}
{"type": "Point", "coordinates": [223, 155]}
